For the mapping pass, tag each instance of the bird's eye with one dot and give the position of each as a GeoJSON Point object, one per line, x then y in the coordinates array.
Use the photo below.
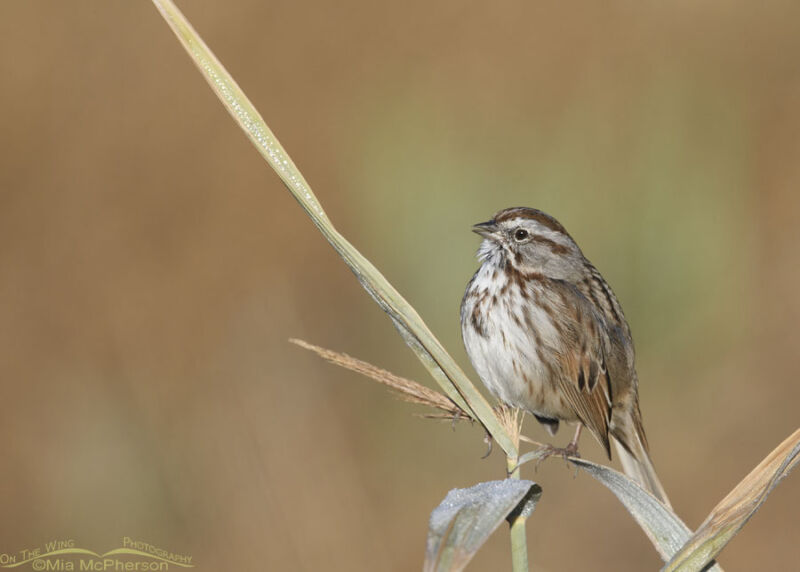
{"type": "Point", "coordinates": [520, 234]}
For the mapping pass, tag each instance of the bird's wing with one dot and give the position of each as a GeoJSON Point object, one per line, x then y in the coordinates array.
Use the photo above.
{"type": "Point", "coordinates": [584, 381]}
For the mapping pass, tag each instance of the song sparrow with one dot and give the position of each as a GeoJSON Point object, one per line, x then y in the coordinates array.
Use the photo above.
{"type": "Point", "coordinates": [546, 334]}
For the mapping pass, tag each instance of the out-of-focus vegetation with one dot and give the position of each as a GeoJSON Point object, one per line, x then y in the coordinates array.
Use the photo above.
{"type": "Point", "coordinates": [153, 270]}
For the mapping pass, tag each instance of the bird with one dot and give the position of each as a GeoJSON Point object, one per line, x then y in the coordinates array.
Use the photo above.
{"type": "Point", "coordinates": [546, 334]}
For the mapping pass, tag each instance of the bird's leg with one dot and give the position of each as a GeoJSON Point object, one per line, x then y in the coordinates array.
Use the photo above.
{"type": "Point", "coordinates": [572, 448]}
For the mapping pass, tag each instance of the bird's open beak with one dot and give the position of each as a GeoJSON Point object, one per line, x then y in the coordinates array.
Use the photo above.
{"type": "Point", "coordinates": [486, 229]}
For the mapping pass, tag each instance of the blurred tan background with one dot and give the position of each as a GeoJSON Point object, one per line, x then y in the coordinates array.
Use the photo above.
{"type": "Point", "coordinates": [152, 267]}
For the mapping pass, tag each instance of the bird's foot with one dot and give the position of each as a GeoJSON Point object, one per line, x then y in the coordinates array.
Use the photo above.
{"type": "Point", "coordinates": [543, 452]}
{"type": "Point", "coordinates": [565, 453]}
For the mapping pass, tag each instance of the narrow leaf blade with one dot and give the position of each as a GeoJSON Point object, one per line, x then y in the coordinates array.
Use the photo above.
{"type": "Point", "coordinates": [733, 512]}
{"type": "Point", "coordinates": [467, 517]}
{"type": "Point", "coordinates": [665, 530]}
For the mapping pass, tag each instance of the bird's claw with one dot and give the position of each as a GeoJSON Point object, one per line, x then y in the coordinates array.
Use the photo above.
{"type": "Point", "coordinates": [488, 440]}
{"type": "Point", "coordinates": [565, 453]}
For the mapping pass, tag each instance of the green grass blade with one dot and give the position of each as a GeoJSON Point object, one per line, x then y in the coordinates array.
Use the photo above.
{"type": "Point", "coordinates": [414, 331]}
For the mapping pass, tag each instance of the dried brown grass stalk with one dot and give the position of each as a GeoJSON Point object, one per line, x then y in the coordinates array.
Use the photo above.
{"type": "Point", "coordinates": [405, 389]}
{"type": "Point", "coordinates": [733, 512]}
{"type": "Point", "coordinates": [511, 420]}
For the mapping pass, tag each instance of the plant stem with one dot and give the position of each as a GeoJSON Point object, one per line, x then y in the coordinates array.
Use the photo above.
{"type": "Point", "coordinates": [414, 331]}
{"type": "Point", "coordinates": [519, 543]}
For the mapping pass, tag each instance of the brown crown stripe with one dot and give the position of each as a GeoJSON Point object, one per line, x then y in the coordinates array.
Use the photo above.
{"type": "Point", "coordinates": [533, 214]}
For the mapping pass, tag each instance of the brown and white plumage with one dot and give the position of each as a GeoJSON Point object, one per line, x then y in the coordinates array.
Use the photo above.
{"type": "Point", "coordinates": [546, 334]}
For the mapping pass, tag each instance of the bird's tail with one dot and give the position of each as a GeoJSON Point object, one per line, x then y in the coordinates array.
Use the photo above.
{"type": "Point", "coordinates": [637, 465]}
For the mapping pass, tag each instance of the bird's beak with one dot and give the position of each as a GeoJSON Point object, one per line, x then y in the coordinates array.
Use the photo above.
{"type": "Point", "coordinates": [486, 229]}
